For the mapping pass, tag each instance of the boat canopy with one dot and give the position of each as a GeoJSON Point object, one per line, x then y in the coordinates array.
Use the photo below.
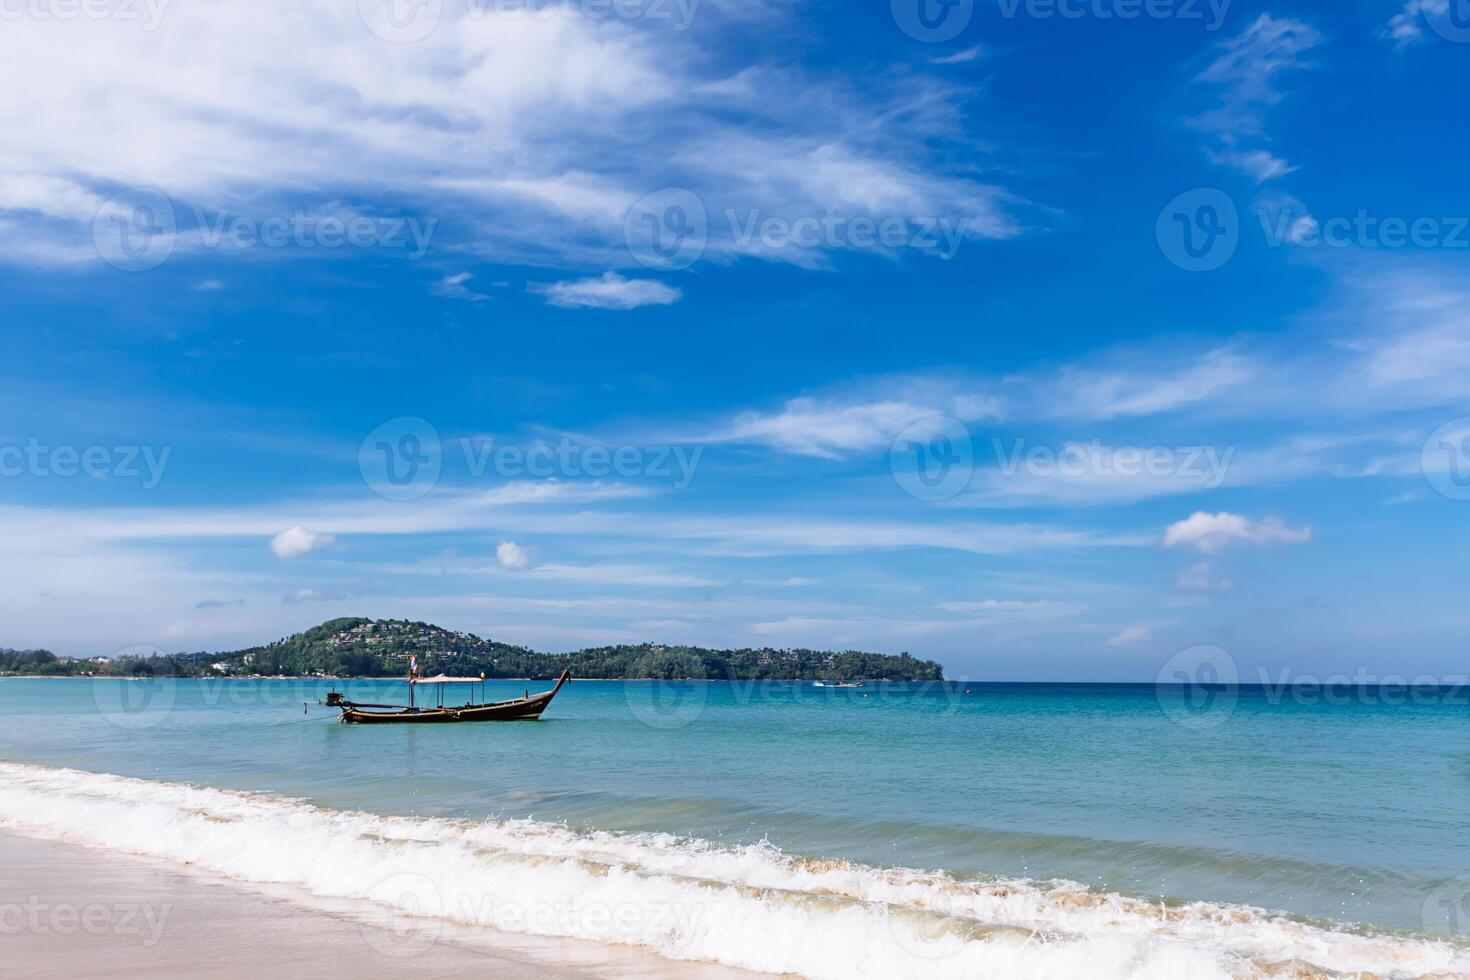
{"type": "Point", "coordinates": [441, 679]}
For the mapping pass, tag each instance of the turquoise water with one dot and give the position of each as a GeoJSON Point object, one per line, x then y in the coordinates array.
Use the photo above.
{"type": "Point", "coordinates": [1355, 812]}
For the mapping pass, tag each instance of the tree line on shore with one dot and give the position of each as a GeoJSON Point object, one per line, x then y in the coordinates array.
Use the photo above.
{"type": "Point", "coordinates": [358, 647]}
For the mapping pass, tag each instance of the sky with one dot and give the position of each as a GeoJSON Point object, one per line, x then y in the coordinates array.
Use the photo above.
{"type": "Point", "coordinates": [1050, 339]}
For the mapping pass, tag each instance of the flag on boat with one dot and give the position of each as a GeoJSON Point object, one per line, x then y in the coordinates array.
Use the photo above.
{"type": "Point", "coordinates": [413, 665]}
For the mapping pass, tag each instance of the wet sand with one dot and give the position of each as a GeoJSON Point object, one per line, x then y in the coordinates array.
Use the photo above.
{"type": "Point", "coordinates": [68, 911]}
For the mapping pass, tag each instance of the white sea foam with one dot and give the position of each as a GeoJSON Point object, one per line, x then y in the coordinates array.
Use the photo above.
{"type": "Point", "coordinates": [751, 907]}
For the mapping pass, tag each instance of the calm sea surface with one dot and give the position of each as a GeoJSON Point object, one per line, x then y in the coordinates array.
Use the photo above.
{"type": "Point", "coordinates": [1355, 812]}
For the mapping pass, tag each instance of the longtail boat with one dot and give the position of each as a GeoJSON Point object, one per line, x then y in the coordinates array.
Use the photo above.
{"type": "Point", "coordinates": [526, 708]}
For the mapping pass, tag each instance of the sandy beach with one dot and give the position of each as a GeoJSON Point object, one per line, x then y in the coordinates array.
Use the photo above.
{"type": "Point", "coordinates": [69, 911]}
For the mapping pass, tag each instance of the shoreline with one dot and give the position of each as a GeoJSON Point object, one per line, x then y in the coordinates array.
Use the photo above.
{"type": "Point", "coordinates": [68, 910]}
{"type": "Point", "coordinates": [395, 677]}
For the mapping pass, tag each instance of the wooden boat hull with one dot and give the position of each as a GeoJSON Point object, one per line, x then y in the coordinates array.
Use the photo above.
{"type": "Point", "coordinates": [518, 709]}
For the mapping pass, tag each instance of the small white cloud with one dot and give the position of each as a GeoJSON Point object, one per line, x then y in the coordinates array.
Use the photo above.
{"type": "Point", "coordinates": [208, 285]}
{"type": "Point", "coordinates": [1016, 609]}
{"type": "Point", "coordinates": [310, 595]}
{"type": "Point", "coordinates": [512, 555]}
{"type": "Point", "coordinates": [1406, 27]}
{"type": "Point", "coordinates": [959, 57]}
{"type": "Point", "coordinates": [453, 287]}
{"type": "Point", "coordinates": [609, 291]}
{"type": "Point", "coordinates": [1212, 533]}
{"type": "Point", "coordinates": [296, 541]}
{"type": "Point", "coordinates": [1199, 578]}
{"type": "Point", "coordinates": [1131, 635]}
{"type": "Point", "coordinates": [1259, 165]}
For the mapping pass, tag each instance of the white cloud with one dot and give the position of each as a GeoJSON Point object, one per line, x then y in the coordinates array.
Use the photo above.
{"type": "Point", "coordinates": [52, 197]}
{"type": "Point", "coordinates": [1406, 27]}
{"type": "Point", "coordinates": [1259, 165]}
{"type": "Point", "coordinates": [209, 285]}
{"type": "Point", "coordinates": [1015, 609]}
{"type": "Point", "coordinates": [1200, 578]}
{"type": "Point", "coordinates": [1132, 635]}
{"type": "Point", "coordinates": [1139, 388]}
{"type": "Point", "coordinates": [851, 423]}
{"type": "Point", "coordinates": [1212, 533]}
{"type": "Point", "coordinates": [296, 541]}
{"type": "Point", "coordinates": [454, 287]}
{"type": "Point", "coordinates": [1244, 83]}
{"type": "Point", "coordinates": [545, 103]}
{"type": "Point", "coordinates": [512, 555]}
{"type": "Point", "coordinates": [609, 291]}
{"type": "Point", "coordinates": [959, 57]}
{"type": "Point", "coordinates": [626, 575]}
{"type": "Point", "coordinates": [298, 596]}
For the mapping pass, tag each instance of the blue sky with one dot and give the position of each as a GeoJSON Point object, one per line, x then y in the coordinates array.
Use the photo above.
{"type": "Point", "coordinates": [1044, 345]}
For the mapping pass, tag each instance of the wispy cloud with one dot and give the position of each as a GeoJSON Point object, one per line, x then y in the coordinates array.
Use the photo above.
{"type": "Point", "coordinates": [456, 286]}
{"type": "Point", "coordinates": [1243, 84]}
{"type": "Point", "coordinates": [1212, 533]}
{"type": "Point", "coordinates": [609, 291]}
{"type": "Point", "coordinates": [959, 57]}
{"type": "Point", "coordinates": [1406, 28]}
{"type": "Point", "coordinates": [543, 103]}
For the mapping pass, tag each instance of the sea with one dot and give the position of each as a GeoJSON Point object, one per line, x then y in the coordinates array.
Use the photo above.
{"type": "Point", "coordinates": [895, 830]}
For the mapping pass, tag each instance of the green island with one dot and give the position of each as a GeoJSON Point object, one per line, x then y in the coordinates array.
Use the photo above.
{"type": "Point", "coordinates": [357, 647]}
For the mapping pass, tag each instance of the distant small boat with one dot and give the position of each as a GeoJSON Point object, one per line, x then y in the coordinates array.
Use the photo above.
{"type": "Point", "coordinates": [526, 708]}
{"type": "Point", "coordinates": [838, 684]}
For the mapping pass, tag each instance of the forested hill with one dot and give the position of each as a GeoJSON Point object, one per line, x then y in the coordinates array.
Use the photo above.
{"type": "Point", "coordinates": [355, 647]}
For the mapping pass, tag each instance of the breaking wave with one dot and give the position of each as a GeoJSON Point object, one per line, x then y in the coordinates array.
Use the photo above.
{"type": "Point", "coordinates": [753, 907]}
